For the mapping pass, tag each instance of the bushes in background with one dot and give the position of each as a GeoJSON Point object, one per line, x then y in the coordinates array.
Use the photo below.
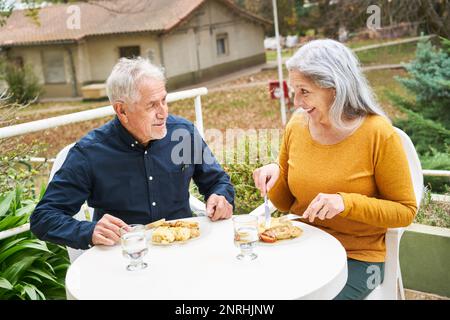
{"type": "Point", "coordinates": [23, 85]}
{"type": "Point", "coordinates": [427, 112]}
{"type": "Point", "coordinates": [29, 268]}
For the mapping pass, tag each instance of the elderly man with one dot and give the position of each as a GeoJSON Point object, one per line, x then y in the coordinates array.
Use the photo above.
{"type": "Point", "coordinates": [127, 170]}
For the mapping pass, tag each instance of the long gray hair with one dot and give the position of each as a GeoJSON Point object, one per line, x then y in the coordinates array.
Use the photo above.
{"type": "Point", "coordinates": [330, 64]}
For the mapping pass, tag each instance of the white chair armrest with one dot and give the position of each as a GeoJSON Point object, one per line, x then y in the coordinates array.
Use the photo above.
{"type": "Point", "coordinates": [197, 206]}
{"type": "Point", "coordinates": [260, 210]}
{"type": "Point", "coordinates": [394, 234]}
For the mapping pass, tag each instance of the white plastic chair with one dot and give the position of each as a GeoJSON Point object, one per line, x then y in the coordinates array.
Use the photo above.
{"type": "Point", "coordinates": [86, 213]}
{"type": "Point", "coordinates": [392, 283]}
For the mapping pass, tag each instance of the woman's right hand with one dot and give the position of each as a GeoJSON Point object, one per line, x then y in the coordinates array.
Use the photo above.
{"type": "Point", "coordinates": [265, 177]}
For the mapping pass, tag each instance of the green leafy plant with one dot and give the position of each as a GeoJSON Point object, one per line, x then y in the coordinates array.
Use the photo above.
{"type": "Point", "coordinates": [240, 165]}
{"type": "Point", "coordinates": [433, 213]}
{"type": "Point", "coordinates": [429, 80]}
{"type": "Point", "coordinates": [426, 114]}
{"type": "Point", "coordinates": [23, 84]}
{"type": "Point", "coordinates": [29, 268]}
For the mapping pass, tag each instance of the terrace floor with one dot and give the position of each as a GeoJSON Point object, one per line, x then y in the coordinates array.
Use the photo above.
{"type": "Point", "coordinates": [417, 295]}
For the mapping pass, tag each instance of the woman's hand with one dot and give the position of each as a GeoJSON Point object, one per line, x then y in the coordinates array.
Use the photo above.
{"type": "Point", "coordinates": [324, 206]}
{"type": "Point", "coordinates": [265, 177]}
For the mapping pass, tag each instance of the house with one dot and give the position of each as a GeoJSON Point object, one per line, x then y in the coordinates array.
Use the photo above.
{"type": "Point", "coordinates": [77, 44]}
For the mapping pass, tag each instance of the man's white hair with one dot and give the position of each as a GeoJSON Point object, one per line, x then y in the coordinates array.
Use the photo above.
{"type": "Point", "coordinates": [123, 82]}
{"type": "Point", "coordinates": [330, 64]}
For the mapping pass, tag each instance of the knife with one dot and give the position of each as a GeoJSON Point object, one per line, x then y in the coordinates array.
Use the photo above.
{"type": "Point", "coordinates": [267, 212]}
{"type": "Point", "coordinates": [290, 216]}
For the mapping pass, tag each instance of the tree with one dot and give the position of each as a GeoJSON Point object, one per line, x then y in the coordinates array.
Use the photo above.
{"type": "Point", "coordinates": [427, 113]}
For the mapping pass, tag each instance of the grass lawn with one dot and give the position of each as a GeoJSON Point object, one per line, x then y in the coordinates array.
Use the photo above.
{"type": "Point", "coordinates": [402, 53]}
{"type": "Point", "coordinates": [271, 55]}
{"type": "Point", "coordinates": [396, 54]}
{"type": "Point", "coordinates": [353, 44]}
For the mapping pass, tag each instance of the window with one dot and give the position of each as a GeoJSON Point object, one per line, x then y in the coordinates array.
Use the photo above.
{"type": "Point", "coordinates": [54, 70]}
{"type": "Point", "coordinates": [129, 52]}
{"type": "Point", "coordinates": [222, 44]}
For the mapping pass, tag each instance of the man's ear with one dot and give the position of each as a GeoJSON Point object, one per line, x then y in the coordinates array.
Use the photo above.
{"type": "Point", "coordinates": [120, 109]}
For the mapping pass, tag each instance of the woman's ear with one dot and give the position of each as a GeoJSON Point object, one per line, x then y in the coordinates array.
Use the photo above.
{"type": "Point", "coordinates": [120, 109]}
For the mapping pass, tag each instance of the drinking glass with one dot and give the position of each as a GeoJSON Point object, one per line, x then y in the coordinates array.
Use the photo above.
{"type": "Point", "coordinates": [134, 245]}
{"type": "Point", "coordinates": [245, 235]}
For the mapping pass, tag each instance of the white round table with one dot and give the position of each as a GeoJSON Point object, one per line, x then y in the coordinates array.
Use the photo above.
{"type": "Point", "coordinates": [313, 266]}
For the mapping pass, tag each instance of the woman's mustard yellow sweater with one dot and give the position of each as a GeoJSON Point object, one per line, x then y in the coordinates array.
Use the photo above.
{"type": "Point", "coordinates": [369, 169]}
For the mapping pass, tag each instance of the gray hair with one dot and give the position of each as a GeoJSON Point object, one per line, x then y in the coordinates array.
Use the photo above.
{"type": "Point", "coordinates": [330, 64]}
{"type": "Point", "coordinates": [123, 82]}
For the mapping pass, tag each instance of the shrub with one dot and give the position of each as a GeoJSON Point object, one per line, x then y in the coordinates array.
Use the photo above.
{"type": "Point", "coordinates": [437, 161]}
{"type": "Point", "coordinates": [23, 85]}
{"type": "Point", "coordinates": [429, 81]}
{"type": "Point", "coordinates": [427, 113]}
{"type": "Point", "coordinates": [433, 213]}
{"type": "Point", "coordinates": [247, 196]}
{"type": "Point", "coordinates": [29, 268]}
{"type": "Point", "coordinates": [427, 135]}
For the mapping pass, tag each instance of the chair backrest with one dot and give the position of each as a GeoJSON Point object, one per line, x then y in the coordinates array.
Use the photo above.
{"type": "Point", "coordinates": [59, 160]}
{"type": "Point", "coordinates": [388, 290]}
{"type": "Point", "coordinates": [85, 213]}
{"type": "Point", "coordinates": [414, 165]}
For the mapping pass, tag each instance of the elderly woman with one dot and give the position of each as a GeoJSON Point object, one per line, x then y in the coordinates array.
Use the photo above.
{"type": "Point", "coordinates": [341, 164]}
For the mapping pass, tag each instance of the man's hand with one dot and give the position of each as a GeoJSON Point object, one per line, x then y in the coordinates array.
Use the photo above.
{"type": "Point", "coordinates": [324, 206]}
{"type": "Point", "coordinates": [107, 230]}
{"type": "Point", "coordinates": [217, 207]}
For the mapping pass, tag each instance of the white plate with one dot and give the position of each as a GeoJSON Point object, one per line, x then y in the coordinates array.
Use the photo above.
{"type": "Point", "coordinates": [287, 241]}
{"type": "Point", "coordinates": [204, 226]}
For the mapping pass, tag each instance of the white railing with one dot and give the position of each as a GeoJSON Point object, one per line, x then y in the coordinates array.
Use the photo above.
{"type": "Point", "coordinates": [39, 125]}
{"type": "Point", "coordinates": [19, 129]}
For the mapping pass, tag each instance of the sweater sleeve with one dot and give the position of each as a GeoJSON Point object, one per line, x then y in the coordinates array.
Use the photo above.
{"type": "Point", "coordinates": [396, 204]}
{"type": "Point", "coordinates": [280, 195]}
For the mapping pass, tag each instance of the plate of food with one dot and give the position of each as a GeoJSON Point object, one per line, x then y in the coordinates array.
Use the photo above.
{"type": "Point", "coordinates": [281, 231]}
{"type": "Point", "coordinates": [165, 233]}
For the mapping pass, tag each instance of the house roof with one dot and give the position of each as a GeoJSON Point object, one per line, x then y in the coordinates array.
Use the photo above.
{"type": "Point", "coordinates": [102, 18]}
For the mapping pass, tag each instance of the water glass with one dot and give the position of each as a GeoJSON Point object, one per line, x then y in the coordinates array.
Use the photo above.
{"type": "Point", "coordinates": [134, 245]}
{"type": "Point", "coordinates": [245, 235]}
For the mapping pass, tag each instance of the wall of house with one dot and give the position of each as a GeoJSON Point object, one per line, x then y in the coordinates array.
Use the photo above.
{"type": "Point", "coordinates": [189, 53]}
{"type": "Point", "coordinates": [34, 57]}
{"type": "Point", "coordinates": [103, 51]}
{"type": "Point", "coordinates": [194, 47]}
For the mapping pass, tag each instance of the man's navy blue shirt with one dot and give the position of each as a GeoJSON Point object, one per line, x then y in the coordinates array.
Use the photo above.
{"type": "Point", "coordinates": [118, 176]}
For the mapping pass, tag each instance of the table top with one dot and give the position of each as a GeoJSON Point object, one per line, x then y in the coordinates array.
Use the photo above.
{"type": "Point", "coordinates": [313, 266]}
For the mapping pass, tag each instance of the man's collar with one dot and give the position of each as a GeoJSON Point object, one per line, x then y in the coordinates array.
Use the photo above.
{"type": "Point", "coordinates": [128, 138]}
{"type": "Point", "coordinates": [124, 135]}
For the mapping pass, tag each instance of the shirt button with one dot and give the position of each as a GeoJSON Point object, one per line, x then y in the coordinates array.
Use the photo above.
{"type": "Point", "coordinates": [132, 145]}
{"type": "Point", "coordinates": [150, 178]}
{"type": "Point", "coordinates": [145, 152]}
{"type": "Point", "coordinates": [153, 203]}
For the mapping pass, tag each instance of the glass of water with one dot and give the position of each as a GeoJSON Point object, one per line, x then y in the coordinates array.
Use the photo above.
{"type": "Point", "coordinates": [245, 235]}
{"type": "Point", "coordinates": [134, 245]}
